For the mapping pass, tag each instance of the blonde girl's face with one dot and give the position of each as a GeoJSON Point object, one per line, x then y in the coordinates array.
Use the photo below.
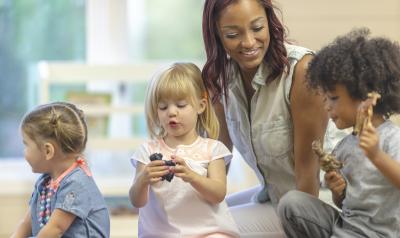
{"type": "Point", "coordinates": [342, 108]}
{"type": "Point", "coordinates": [34, 155]}
{"type": "Point", "coordinates": [178, 117]}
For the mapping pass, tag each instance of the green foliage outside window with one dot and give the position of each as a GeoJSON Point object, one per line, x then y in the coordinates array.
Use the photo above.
{"type": "Point", "coordinates": [30, 31]}
{"type": "Point", "coordinates": [173, 30]}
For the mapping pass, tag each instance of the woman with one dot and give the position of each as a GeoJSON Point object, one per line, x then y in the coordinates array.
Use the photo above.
{"type": "Point", "coordinates": [266, 111]}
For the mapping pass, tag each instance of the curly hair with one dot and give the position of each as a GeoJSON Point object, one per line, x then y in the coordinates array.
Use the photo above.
{"type": "Point", "coordinates": [215, 69]}
{"type": "Point", "coordinates": [361, 64]}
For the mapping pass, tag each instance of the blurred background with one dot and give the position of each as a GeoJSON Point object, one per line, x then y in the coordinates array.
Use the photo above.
{"type": "Point", "coordinates": [100, 54]}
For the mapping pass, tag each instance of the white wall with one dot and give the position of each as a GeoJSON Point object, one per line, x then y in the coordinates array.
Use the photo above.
{"type": "Point", "coordinates": [314, 23]}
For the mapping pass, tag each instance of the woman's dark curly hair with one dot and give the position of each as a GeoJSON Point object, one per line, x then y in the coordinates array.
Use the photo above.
{"type": "Point", "coordinates": [361, 64]}
{"type": "Point", "coordinates": [215, 69]}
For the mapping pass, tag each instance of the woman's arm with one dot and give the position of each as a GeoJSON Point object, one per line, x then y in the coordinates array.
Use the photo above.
{"type": "Point", "coordinates": [309, 123]}
{"type": "Point", "coordinates": [145, 175]}
{"type": "Point", "coordinates": [213, 187]}
{"type": "Point", "coordinates": [58, 224]}
{"type": "Point", "coordinates": [24, 228]}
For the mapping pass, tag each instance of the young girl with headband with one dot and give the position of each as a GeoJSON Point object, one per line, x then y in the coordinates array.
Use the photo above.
{"type": "Point", "coordinates": [66, 201]}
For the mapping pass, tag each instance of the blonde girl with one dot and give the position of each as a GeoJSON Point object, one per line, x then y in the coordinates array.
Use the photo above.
{"type": "Point", "coordinates": [191, 202]}
{"type": "Point", "coordinates": [66, 201]}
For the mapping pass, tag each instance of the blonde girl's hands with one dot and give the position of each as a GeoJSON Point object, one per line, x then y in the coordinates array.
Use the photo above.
{"type": "Point", "coordinates": [153, 171]}
{"type": "Point", "coordinates": [146, 175]}
{"type": "Point", "coordinates": [369, 141]}
{"type": "Point", "coordinates": [335, 183]}
{"type": "Point", "coordinates": [182, 170]}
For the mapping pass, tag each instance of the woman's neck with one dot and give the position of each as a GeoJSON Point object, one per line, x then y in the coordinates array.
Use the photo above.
{"type": "Point", "coordinates": [248, 74]}
{"type": "Point", "coordinates": [247, 78]}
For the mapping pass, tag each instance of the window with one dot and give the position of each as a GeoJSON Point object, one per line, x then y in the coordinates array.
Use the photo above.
{"type": "Point", "coordinates": [82, 31]}
{"type": "Point", "coordinates": [31, 31]}
{"type": "Point", "coordinates": [173, 30]}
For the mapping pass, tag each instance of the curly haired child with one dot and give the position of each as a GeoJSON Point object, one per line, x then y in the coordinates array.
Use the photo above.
{"type": "Point", "coordinates": [367, 188]}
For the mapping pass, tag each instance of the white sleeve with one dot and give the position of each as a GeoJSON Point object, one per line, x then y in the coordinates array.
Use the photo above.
{"type": "Point", "coordinates": [392, 146]}
{"type": "Point", "coordinates": [220, 151]}
{"type": "Point", "coordinates": [141, 155]}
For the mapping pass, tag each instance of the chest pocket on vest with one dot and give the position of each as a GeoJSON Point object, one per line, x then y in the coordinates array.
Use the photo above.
{"type": "Point", "coordinates": [276, 138]}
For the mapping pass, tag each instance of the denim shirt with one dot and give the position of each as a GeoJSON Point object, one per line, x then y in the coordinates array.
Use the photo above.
{"type": "Point", "coordinates": [265, 136]}
{"type": "Point", "coordinates": [77, 194]}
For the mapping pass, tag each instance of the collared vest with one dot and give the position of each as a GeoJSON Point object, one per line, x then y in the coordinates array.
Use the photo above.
{"type": "Point", "coordinates": [264, 135]}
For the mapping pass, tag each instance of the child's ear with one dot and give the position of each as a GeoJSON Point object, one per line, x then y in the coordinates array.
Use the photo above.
{"type": "Point", "coordinates": [202, 106]}
{"type": "Point", "coordinates": [49, 150]}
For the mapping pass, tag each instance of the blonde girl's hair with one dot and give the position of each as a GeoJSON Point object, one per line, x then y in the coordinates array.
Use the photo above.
{"type": "Point", "coordinates": [181, 81]}
{"type": "Point", "coordinates": [61, 122]}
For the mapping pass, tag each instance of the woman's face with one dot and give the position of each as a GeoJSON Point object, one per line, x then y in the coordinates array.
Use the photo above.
{"type": "Point", "coordinates": [243, 30]}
